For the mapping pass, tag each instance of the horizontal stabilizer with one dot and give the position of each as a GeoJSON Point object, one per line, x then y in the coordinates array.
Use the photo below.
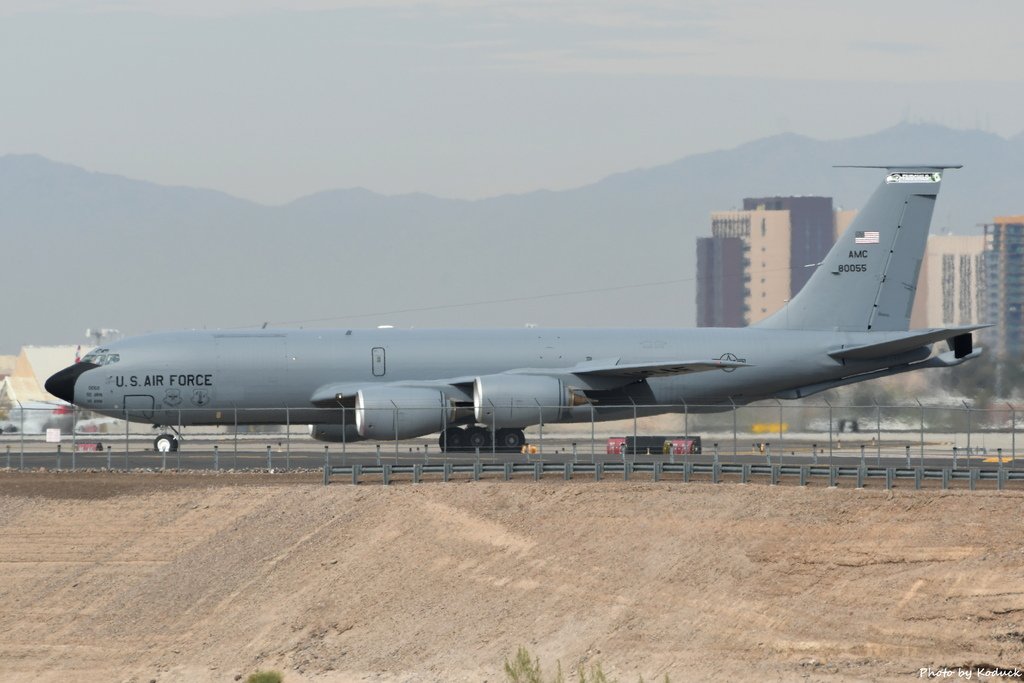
{"type": "Point", "coordinates": [904, 343]}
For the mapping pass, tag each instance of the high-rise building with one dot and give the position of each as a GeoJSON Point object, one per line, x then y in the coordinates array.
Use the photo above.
{"type": "Point", "coordinates": [951, 286]}
{"type": "Point", "coordinates": [758, 258]}
{"type": "Point", "coordinates": [1004, 275]}
{"type": "Point", "coordinates": [721, 281]}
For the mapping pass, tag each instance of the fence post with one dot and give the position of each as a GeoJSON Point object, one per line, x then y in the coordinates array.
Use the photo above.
{"type": "Point", "coordinates": [108, 458]}
{"type": "Point", "coordinates": [593, 447]}
{"type": "Point", "coordinates": [58, 457]}
{"type": "Point", "coordinates": [686, 419]}
{"type": "Point", "coordinates": [968, 432]}
{"type": "Point", "coordinates": [862, 464]}
{"type": "Point", "coordinates": [21, 459]}
{"type": "Point", "coordinates": [287, 439]}
{"type": "Point", "coordinates": [394, 421]}
{"type": "Point", "coordinates": [1013, 433]}
{"type": "Point", "coordinates": [216, 458]}
{"type": "Point", "coordinates": [634, 427]}
{"type": "Point", "coordinates": [829, 432]}
{"type": "Point", "coordinates": [270, 462]}
{"type": "Point", "coordinates": [74, 436]}
{"type": "Point", "coordinates": [782, 444]}
{"type": "Point", "coordinates": [735, 439]}
{"type": "Point", "coordinates": [878, 434]}
{"type": "Point", "coordinates": [908, 454]}
{"type": "Point", "coordinates": [235, 408]}
{"type": "Point", "coordinates": [922, 430]}
{"type": "Point", "coordinates": [540, 414]}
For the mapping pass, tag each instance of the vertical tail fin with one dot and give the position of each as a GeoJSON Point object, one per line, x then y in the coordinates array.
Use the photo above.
{"type": "Point", "coordinates": [868, 279]}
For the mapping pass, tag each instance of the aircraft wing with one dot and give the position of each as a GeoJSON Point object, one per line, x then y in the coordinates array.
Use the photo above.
{"type": "Point", "coordinates": [657, 369]}
{"type": "Point", "coordinates": [907, 342]}
{"type": "Point", "coordinates": [344, 393]}
{"type": "Point", "coordinates": [609, 370]}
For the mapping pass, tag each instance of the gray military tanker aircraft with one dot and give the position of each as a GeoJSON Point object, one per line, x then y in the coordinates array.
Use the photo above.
{"type": "Point", "coordinates": [850, 323]}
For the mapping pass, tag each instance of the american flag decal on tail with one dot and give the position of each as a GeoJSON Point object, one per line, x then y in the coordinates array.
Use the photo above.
{"type": "Point", "coordinates": [865, 237]}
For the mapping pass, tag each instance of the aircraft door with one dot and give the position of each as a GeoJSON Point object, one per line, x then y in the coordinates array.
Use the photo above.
{"type": "Point", "coordinates": [378, 361]}
{"type": "Point", "coordinates": [139, 406]}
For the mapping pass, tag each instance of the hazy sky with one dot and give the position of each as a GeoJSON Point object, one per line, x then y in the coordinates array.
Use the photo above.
{"type": "Point", "coordinates": [274, 99]}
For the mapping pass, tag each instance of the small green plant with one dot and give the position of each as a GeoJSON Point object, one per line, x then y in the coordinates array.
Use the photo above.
{"type": "Point", "coordinates": [265, 677]}
{"type": "Point", "coordinates": [525, 668]}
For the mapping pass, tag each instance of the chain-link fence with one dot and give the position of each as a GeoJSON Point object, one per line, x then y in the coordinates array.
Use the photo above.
{"type": "Point", "coordinates": [282, 438]}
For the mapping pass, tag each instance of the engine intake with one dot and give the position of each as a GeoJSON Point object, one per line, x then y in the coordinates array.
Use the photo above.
{"type": "Point", "coordinates": [519, 400]}
{"type": "Point", "coordinates": [401, 412]}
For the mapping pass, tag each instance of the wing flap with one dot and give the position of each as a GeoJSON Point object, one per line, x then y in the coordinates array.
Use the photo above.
{"type": "Point", "coordinates": [657, 369]}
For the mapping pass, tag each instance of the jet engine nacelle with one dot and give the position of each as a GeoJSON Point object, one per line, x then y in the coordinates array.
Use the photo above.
{"type": "Point", "coordinates": [334, 433]}
{"type": "Point", "coordinates": [401, 412]}
{"type": "Point", "coordinates": [519, 400]}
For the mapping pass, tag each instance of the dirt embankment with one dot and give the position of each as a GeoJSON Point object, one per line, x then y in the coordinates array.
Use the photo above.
{"type": "Point", "coordinates": [184, 577]}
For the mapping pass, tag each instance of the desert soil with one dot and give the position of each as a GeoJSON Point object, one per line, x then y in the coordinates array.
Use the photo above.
{"type": "Point", "coordinates": [172, 577]}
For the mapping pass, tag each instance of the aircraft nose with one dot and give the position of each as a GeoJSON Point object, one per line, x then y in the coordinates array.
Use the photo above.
{"type": "Point", "coordinates": [62, 384]}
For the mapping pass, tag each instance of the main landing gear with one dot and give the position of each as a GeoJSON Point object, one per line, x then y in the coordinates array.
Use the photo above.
{"type": "Point", "coordinates": [165, 443]}
{"type": "Point", "coordinates": [457, 439]}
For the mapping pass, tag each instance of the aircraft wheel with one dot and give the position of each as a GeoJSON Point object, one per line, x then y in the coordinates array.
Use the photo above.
{"type": "Point", "coordinates": [511, 439]}
{"type": "Point", "coordinates": [452, 439]}
{"type": "Point", "coordinates": [165, 443]}
{"type": "Point", "coordinates": [478, 437]}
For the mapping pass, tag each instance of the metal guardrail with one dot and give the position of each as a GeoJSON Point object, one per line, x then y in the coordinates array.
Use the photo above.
{"type": "Point", "coordinates": [657, 470]}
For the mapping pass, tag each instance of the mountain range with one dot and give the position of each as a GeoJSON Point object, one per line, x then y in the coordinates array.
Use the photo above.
{"type": "Point", "coordinates": [86, 249]}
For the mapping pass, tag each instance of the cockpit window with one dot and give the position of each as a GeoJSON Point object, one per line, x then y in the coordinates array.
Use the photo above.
{"type": "Point", "coordinates": [101, 357]}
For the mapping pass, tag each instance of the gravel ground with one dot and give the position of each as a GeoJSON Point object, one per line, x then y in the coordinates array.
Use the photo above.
{"type": "Point", "coordinates": [205, 577]}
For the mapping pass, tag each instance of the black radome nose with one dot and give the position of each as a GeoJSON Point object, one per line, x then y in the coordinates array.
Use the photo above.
{"type": "Point", "coordinates": [62, 384]}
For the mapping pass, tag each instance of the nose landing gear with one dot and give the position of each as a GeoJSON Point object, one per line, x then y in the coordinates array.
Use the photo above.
{"type": "Point", "coordinates": [165, 443]}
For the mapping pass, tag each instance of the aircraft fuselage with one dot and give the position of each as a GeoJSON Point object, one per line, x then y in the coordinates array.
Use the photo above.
{"type": "Point", "coordinates": [205, 378]}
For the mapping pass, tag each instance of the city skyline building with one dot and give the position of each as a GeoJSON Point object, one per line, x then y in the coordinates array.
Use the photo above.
{"type": "Point", "coordinates": [951, 286]}
{"type": "Point", "coordinates": [1004, 276]}
{"type": "Point", "coordinates": [759, 257]}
